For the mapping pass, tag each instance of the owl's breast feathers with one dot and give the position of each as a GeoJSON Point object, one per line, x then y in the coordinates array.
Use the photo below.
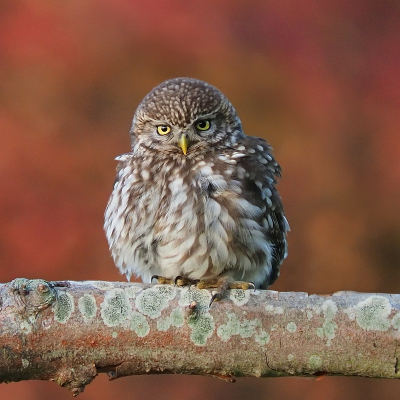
{"type": "Point", "coordinates": [219, 213]}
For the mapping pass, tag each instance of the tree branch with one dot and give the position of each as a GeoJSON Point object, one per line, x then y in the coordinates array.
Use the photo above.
{"type": "Point", "coordinates": [68, 332]}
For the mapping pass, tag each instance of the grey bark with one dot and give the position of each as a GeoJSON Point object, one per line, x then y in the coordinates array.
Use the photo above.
{"type": "Point", "coordinates": [68, 332]}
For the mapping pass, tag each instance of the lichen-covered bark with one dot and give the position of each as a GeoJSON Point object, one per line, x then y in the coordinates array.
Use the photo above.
{"type": "Point", "coordinates": [70, 331]}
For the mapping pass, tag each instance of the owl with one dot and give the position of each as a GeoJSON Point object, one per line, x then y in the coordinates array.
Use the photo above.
{"type": "Point", "coordinates": [195, 200]}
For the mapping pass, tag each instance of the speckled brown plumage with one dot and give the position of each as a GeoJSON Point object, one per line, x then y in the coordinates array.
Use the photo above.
{"type": "Point", "coordinates": [207, 211]}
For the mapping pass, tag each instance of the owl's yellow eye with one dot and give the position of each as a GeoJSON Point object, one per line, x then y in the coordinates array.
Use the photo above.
{"type": "Point", "coordinates": [163, 129]}
{"type": "Point", "coordinates": [203, 125]}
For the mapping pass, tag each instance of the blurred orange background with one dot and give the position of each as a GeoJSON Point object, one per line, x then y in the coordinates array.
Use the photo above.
{"type": "Point", "coordinates": [318, 80]}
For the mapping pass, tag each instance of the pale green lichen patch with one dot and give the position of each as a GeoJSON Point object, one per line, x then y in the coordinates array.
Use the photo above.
{"type": "Point", "coordinates": [63, 307]}
{"type": "Point", "coordinates": [190, 294]}
{"type": "Point", "coordinates": [175, 319]}
{"type": "Point", "coordinates": [329, 328]}
{"type": "Point", "coordinates": [320, 332]}
{"type": "Point", "coordinates": [269, 308]}
{"type": "Point", "coordinates": [396, 321]}
{"type": "Point", "coordinates": [139, 324]}
{"type": "Point", "coordinates": [262, 338]}
{"type": "Point", "coordinates": [316, 309]}
{"type": "Point", "coordinates": [114, 335]}
{"type": "Point", "coordinates": [373, 313]}
{"type": "Point", "coordinates": [274, 327]}
{"type": "Point", "coordinates": [87, 306]}
{"type": "Point", "coordinates": [314, 362]}
{"type": "Point", "coordinates": [25, 363]}
{"type": "Point", "coordinates": [115, 308]}
{"type": "Point", "coordinates": [133, 291]}
{"type": "Point", "coordinates": [163, 324]}
{"type": "Point", "coordinates": [202, 328]}
{"type": "Point", "coordinates": [235, 326]}
{"type": "Point", "coordinates": [201, 322]}
{"type": "Point", "coordinates": [291, 327]}
{"type": "Point", "coordinates": [25, 327]}
{"type": "Point", "coordinates": [290, 357]}
{"type": "Point", "coordinates": [168, 291]}
{"type": "Point", "coordinates": [329, 309]}
{"type": "Point", "coordinates": [152, 301]}
{"type": "Point", "coordinates": [239, 296]}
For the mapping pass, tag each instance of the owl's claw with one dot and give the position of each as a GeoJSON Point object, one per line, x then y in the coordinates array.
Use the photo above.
{"type": "Point", "coordinates": [216, 297]}
{"type": "Point", "coordinates": [181, 281]}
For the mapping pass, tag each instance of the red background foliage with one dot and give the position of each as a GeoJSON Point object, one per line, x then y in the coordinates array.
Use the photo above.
{"type": "Point", "coordinates": [318, 80]}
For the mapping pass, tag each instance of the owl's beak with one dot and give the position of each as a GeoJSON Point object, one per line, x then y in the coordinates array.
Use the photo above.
{"type": "Point", "coordinates": [183, 143]}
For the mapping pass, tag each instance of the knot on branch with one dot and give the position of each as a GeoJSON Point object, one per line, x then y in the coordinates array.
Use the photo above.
{"type": "Point", "coordinates": [33, 295]}
{"type": "Point", "coordinates": [77, 378]}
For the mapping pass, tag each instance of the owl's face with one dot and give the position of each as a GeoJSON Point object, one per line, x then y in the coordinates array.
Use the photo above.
{"type": "Point", "coordinates": [185, 117]}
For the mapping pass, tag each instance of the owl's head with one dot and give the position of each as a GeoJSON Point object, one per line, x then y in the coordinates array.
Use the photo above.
{"type": "Point", "coordinates": [186, 117]}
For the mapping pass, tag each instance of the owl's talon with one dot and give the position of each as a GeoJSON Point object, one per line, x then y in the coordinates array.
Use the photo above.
{"type": "Point", "coordinates": [178, 281]}
{"type": "Point", "coordinates": [215, 297]}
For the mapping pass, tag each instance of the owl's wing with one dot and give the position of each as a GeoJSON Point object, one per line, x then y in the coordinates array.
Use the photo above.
{"type": "Point", "coordinates": [122, 161]}
{"type": "Point", "coordinates": [259, 179]}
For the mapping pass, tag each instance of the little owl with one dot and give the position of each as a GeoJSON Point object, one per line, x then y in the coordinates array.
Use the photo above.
{"type": "Point", "coordinates": [195, 200]}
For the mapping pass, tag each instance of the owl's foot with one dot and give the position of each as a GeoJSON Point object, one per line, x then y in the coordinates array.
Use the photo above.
{"type": "Point", "coordinates": [178, 281]}
{"type": "Point", "coordinates": [184, 281]}
{"type": "Point", "coordinates": [222, 285]}
{"type": "Point", "coordinates": [162, 280]}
